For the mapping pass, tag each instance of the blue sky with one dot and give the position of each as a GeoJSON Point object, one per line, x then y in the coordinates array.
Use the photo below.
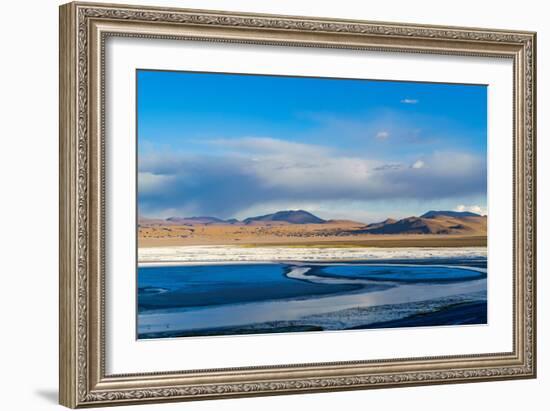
{"type": "Point", "coordinates": [234, 145]}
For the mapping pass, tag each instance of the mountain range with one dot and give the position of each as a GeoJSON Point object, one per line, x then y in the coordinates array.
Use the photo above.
{"type": "Point", "coordinates": [431, 222]}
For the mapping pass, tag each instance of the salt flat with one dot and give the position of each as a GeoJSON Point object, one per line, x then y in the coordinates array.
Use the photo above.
{"type": "Point", "coordinates": [236, 254]}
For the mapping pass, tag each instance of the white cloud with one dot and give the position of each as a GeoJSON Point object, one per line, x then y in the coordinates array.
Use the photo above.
{"type": "Point", "coordinates": [409, 101]}
{"type": "Point", "coordinates": [253, 171]}
{"type": "Point", "coordinates": [267, 145]}
{"type": "Point", "coordinates": [382, 135]}
{"type": "Point", "coordinates": [418, 164]}
{"type": "Point", "coordinates": [153, 183]}
{"type": "Point", "coordinates": [471, 208]}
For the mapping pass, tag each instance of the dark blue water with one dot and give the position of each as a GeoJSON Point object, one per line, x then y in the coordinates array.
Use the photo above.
{"type": "Point", "coordinates": [400, 273]}
{"type": "Point", "coordinates": [173, 289]}
{"type": "Point", "coordinates": [194, 286]}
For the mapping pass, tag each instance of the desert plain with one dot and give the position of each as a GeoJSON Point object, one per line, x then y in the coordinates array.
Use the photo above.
{"type": "Point", "coordinates": [439, 229]}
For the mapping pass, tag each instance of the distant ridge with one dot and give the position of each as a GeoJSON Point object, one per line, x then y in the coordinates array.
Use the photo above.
{"type": "Point", "coordinates": [433, 213]}
{"type": "Point", "coordinates": [197, 220]}
{"type": "Point", "coordinates": [288, 216]}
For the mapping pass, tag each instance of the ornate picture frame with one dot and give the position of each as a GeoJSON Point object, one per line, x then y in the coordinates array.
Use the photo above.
{"type": "Point", "coordinates": [84, 28]}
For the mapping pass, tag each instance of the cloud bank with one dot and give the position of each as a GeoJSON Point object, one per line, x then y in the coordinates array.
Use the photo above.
{"type": "Point", "coordinates": [242, 173]}
{"type": "Point", "coordinates": [472, 208]}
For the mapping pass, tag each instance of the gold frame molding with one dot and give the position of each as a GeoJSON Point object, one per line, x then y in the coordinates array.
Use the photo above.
{"type": "Point", "coordinates": [84, 27]}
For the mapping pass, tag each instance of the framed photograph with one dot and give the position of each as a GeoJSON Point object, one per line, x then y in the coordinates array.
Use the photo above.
{"type": "Point", "coordinates": [259, 204]}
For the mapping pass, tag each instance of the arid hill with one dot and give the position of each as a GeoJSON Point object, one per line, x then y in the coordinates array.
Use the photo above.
{"type": "Point", "coordinates": [290, 216]}
{"type": "Point", "coordinates": [434, 224]}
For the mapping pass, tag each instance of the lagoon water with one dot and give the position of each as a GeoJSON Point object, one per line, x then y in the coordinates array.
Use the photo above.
{"type": "Point", "coordinates": [226, 299]}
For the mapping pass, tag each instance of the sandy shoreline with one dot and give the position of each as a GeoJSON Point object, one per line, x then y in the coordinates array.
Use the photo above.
{"type": "Point", "coordinates": [368, 240]}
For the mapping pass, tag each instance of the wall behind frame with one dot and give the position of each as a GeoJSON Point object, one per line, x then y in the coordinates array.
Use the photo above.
{"type": "Point", "coordinates": [29, 188]}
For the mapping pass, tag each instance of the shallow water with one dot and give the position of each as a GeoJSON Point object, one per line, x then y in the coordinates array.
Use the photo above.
{"type": "Point", "coordinates": [225, 299]}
